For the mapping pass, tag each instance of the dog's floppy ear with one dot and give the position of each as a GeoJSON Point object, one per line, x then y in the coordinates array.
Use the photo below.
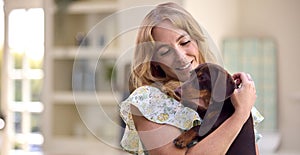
{"type": "Point", "coordinates": [218, 93]}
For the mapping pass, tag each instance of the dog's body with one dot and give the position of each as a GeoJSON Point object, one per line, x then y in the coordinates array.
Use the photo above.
{"type": "Point", "coordinates": [211, 85]}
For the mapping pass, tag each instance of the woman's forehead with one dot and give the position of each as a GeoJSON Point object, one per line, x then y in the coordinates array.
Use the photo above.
{"type": "Point", "coordinates": [168, 27]}
{"type": "Point", "coordinates": [166, 31]}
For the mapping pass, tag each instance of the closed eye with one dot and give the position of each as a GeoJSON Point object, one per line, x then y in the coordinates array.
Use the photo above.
{"type": "Point", "coordinates": [184, 39]}
{"type": "Point", "coordinates": [163, 50]}
{"type": "Point", "coordinates": [185, 43]}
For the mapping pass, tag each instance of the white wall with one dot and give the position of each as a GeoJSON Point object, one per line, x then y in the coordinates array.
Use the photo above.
{"type": "Point", "coordinates": [219, 17]}
{"type": "Point", "coordinates": [279, 19]}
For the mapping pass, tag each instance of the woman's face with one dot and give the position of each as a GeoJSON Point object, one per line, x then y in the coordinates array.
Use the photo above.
{"type": "Point", "coordinates": [176, 52]}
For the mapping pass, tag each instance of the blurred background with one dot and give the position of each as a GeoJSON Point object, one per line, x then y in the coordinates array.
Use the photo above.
{"type": "Point", "coordinates": [65, 63]}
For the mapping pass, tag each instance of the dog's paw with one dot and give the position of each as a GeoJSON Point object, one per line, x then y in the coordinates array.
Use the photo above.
{"type": "Point", "coordinates": [180, 143]}
{"type": "Point", "coordinates": [187, 137]}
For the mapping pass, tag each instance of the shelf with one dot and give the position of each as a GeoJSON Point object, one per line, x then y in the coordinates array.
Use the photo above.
{"type": "Point", "coordinates": [81, 7]}
{"type": "Point", "coordinates": [78, 146]}
{"type": "Point", "coordinates": [33, 107]}
{"type": "Point", "coordinates": [87, 98]}
{"type": "Point", "coordinates": [84, 52]}
{"type": "Point", "coordinates": [28, 73]}
{"type": "Point", "coordinates": [96, 30]}
{"type": "Point", "coordinates": [86, 123]}
{"type": "Point", "coordinates": [83, 74]}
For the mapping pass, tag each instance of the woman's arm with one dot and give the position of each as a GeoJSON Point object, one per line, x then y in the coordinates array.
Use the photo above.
{"type": "Point", "coordinates": [158, 139]}
{"type": "Point", "coordinates": [257, 150]}
{"type": "Point", "coordinates": [219, 141]}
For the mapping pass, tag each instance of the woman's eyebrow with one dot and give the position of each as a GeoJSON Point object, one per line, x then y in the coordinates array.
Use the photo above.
{"type": "Point", "coordinates": [181, 36]}
{"type": "Point", "coordinates": [161, 46]}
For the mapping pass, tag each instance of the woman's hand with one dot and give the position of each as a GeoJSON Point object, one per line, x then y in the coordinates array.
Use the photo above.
{"type": "Point", "coordinates": [244, 97]}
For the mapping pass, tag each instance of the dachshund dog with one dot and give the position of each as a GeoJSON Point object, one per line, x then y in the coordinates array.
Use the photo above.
{"type": "Point", "coordinates": [213, 85]}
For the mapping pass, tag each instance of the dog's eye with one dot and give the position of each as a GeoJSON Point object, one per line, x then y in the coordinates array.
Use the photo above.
{"type": "Point", "coordinates": [201, 77]}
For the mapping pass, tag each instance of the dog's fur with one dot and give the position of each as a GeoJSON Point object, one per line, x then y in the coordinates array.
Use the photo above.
{"type": "Point", "coordinates": [213, 86]}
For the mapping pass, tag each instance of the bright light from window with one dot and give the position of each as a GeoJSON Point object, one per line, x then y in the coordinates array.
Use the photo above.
{"type": "Point", "coordinates": [26, 51]}
{"type": "Point", "coordinates": [2, 24]}
{"type": "Point", "coordinates": [26, 32]}
{"type": "Point", "coordinates": [2, 123]}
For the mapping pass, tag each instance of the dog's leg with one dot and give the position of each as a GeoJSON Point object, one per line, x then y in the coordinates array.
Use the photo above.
{"type": "Point", "coordinates": [187, 137]}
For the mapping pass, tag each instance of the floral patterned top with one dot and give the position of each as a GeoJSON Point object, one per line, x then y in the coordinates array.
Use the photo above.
{"type": "Point", "coordinates": [157, 107]}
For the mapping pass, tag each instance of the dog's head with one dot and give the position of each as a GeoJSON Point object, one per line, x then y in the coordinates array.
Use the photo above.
{"type": "Point", "coordinates": [207, 82]}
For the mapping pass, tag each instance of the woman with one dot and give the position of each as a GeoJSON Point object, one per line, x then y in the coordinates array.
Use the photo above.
{"type": "Point", "coordinates": [170, 44]}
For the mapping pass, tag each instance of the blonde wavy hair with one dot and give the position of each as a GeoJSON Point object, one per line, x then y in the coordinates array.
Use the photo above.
{"type": "Point", "coordinates": [143, 71]}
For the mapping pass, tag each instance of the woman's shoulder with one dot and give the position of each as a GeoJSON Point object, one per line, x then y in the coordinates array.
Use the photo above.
{"type": "Point", "coordinates": [150, 99]}
{"type": "Point", "coordinates": [158, 107]}
{"type": "Point", "coordinates": [146, 90]}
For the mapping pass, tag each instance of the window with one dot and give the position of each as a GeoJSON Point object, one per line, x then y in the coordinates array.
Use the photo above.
{"type": "Point", "coordinates": [256, 56]}
{"type": "Point", "coordinates": [2, 118]}
{"type": "Point", "coordinates": [25, 76]}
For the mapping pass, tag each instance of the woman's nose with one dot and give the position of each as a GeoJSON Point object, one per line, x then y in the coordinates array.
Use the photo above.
{"type": "Point", "coordinates": [180, 54]}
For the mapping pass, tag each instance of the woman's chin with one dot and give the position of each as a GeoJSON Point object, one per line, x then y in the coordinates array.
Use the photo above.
{"type": "Point", "coordinates": [183, 75]}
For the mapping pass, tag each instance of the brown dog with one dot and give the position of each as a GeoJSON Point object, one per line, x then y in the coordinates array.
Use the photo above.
{"type": "Point", "coordinates": [213, 86]}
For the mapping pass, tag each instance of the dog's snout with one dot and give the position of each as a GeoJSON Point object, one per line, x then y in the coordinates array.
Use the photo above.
{"type": "Point", "coordinates": [178, 91]}
{"type": "Point", "coordinates": [231, 84]}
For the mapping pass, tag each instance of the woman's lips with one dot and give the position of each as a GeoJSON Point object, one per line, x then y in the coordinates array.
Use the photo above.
{"type": "Point", "coordinates": [187, 65]}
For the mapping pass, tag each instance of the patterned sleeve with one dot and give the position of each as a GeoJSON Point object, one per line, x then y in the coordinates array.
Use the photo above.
{"type": "Point", "coordinates": [257, 118]}
{"type": "Point", "coordinates": [156, 107]}
{"type": "Point", "coordinates": [160, 108]}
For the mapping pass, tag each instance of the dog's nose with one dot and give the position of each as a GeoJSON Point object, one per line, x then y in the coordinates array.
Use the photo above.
{"type": "Point", "coordinates": [178, 91]}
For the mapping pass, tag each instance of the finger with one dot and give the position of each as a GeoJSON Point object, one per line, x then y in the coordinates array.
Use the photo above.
{"type": "Point", "coordinates": [253, 84]}
{"type": "Point", "coordinates": [236, 76]}
{"type": "Point", "coordinates": [249, 85]}
{"type": "Point", "coordinates": [249, 77]}
{"type": "Point", "coordinates": [244, 77]}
